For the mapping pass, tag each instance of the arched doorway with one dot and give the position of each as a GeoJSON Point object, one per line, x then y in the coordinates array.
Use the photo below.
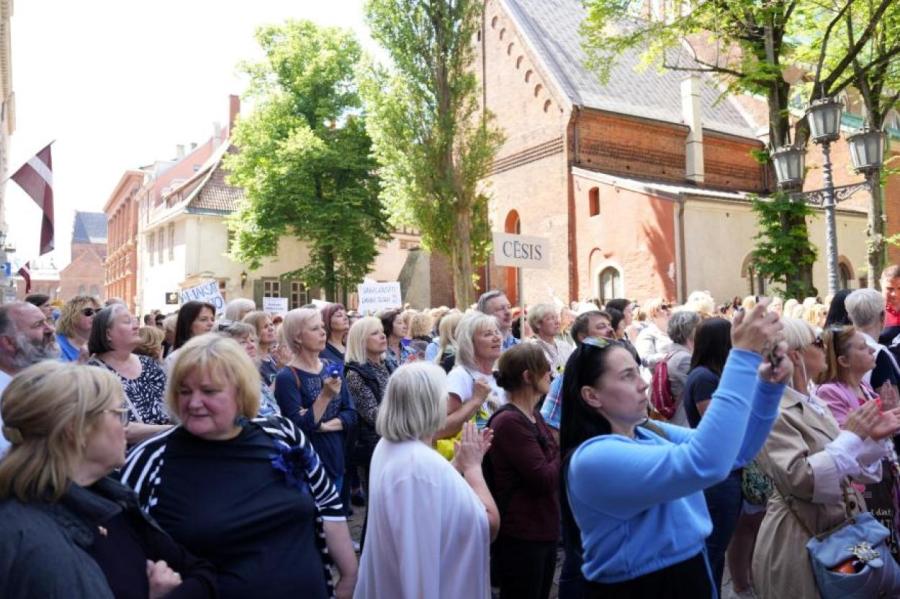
{"type": "Point", "coordinates": [513, 275]}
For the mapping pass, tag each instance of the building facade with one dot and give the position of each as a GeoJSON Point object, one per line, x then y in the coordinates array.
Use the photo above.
{"type": "Point", "coordinates": [641, 184]}
{"type": "Point", "coordinates": [85, 273]}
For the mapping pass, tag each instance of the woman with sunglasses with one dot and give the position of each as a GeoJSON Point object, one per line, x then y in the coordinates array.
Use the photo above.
{"type": "Point", "coordinates": [635, 489]}
{"type": "Point", "coordinates": [809, 459]}
{"type": "Point", "coordinates": [653, 343]}
{"type": "Point", "coordinates": [523, 464]}
{"type": "Point", "coordinates": [74, 327]}
{"type": "Point", "coordinates": [66, 528]}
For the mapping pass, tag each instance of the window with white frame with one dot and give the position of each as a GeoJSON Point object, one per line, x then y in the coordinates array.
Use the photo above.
{"type": "Point", "coordinates": [271, 288]}
{"type": "Point", "coordinates": [610, 284]}
{"type": "Point", "coordinates": [151, 246]}
{"type": "Point", "coordinates": [299, 295]}
{"type": "Point", "coordinates": [171, 241]}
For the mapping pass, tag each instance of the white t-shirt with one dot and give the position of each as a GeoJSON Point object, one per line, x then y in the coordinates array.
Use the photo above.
{"type": "Point", "coordinates": [427, 532]}
{"type": "Point", "coordinates": [460, 382]}
{"type": "Point", "coordinates": [4, 444]}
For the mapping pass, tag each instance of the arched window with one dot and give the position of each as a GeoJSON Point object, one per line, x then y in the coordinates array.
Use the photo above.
{"type": "Point", "coordinates": [528, 74]}
{"type": "Point", "coordinates": [547, 105]}
{"type": "Point", "coordinates": [610, 284]}
{"type": "Point", "coordinates": [502, 33]}
{"type": "Point", "coordinates": [537, 89]}
{"type": "Point", "coordinates": [594, 201]}
{"type": "Point", "coordinates": [519, 61]}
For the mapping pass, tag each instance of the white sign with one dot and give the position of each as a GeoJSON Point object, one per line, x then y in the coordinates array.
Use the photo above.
{"type": "Point", "coordinates": [521, 251]}
{"type": "Point", "coordinates": [275, 305]}
{"type": "Point", "coordinates": [378, 296]}
{"type": "Point", "coordinates": [207, 292]}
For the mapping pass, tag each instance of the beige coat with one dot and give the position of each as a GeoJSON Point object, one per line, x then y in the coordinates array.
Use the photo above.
{"type": "Point", "coordinates": [793, 456]}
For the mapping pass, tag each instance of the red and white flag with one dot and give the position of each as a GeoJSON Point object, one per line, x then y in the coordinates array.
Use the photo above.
{"type": "Point", "coordinates": [36, 178]}
{"type": "Point", "coordinates": [25, 273]}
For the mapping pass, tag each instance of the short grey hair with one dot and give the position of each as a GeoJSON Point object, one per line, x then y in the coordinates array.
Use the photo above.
{"type": "Point", "coordinates": [486, 297]}
{"type": "Point", "coordinates": [466, 330]}
{"type": "Point", "coordinates": [537, 313]}
{"type": "Point", "coordinates": [415, 403]}
{"type": "Point", "coordinates": [682, 325]}
{"type": "Point", "coordinates": [864, 307]}
{"type": "Point", "coordinates": [237, 308]}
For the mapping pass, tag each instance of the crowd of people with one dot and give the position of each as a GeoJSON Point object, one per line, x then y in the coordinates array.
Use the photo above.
{"type": "Point", "coordinates": [220, 455]}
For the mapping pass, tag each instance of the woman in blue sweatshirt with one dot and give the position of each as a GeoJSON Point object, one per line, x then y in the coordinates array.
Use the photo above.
{"type": "Point", "coordinates": [635, 489]}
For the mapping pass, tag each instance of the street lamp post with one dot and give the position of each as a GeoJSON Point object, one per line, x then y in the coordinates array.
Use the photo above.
{"type": "Point", "coordinates": [866, 151]}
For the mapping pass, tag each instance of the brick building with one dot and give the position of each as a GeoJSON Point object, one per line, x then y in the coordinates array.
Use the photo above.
{"type": "Point", "coordinates": [641, 184]}
{"type": "Point", "coordinates": [121, 212]}
{"type": "Point", "coordinates": [84, 275]}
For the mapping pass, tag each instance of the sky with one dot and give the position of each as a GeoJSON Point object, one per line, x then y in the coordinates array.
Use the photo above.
{"type": "Point", "coordinates": [119, 83]}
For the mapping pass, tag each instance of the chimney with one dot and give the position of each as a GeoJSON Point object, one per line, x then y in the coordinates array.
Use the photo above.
{"type": "Point", "coordinates": [691, 113]}
{"type": "Point", "coordinates": [234, 108]}
{"type": "Point", "coordinates": [193, 146]}
{"type": "Point", "coordinates": [179, 151]}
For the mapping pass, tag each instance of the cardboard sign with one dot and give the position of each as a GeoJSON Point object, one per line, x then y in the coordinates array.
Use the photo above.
{"type": "Point", "coordinates": [521, 251]}
{"type": "Point", "coordinates": [378, 296]}
{"type": "Point", "coordinates": [206, 292]}
{"type": "Point", "coordinates": [275, 305]}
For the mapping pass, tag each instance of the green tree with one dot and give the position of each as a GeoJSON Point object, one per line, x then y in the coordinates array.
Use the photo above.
{"type": "Point", "coordinates": [748, 45]}
{"type": "Point", "coordinates": [430, 136]}
{"type": "Point", "coordinates": [777, 242]}
{"type": "Point", "coordinates": [304, 158]}
{"type": "Point", "coordinates": [874, 71]}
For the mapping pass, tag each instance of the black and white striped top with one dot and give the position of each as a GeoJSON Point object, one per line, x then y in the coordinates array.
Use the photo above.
{"type": "Point", "coordinates": [251, 504]}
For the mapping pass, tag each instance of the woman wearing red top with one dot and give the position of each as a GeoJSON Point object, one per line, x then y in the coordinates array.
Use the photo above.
{"type": "Point", "coordinates": [524, 469]}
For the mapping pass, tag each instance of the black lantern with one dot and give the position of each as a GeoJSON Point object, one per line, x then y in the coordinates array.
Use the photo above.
{"type": "Point", "coordinates": [243, 279]}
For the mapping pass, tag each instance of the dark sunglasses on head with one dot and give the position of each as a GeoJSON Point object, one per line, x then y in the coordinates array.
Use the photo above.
{"type": "Point", "coordinates": [819, 342]}
{"type": "Point", "coordinates": [89, 311]}
{"type": "Point", "coordinates": [599, 342]}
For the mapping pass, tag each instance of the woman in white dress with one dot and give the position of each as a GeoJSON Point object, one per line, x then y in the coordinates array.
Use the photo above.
{"type": "Point", "coordinates": [429, 529]}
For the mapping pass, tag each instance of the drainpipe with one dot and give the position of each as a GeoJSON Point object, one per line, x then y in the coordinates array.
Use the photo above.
{"type": "Point", "coordinates": [680, 258]}
{"type": "Point", "coordinates": [572, 157]}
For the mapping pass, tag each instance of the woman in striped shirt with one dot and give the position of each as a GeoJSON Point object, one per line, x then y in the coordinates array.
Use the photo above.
{"type": "Point", "coordinates": [248, 494]}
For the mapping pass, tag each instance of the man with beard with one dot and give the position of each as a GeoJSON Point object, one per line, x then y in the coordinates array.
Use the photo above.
{"type": "Point", "coordinates": [26, 337]}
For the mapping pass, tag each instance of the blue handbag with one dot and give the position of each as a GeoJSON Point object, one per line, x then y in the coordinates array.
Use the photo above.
{"type": "Point", "coordinates": [852, 560]}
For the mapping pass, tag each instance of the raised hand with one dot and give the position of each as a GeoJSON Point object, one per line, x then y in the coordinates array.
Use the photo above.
{"type": "Point", "coordinates": [470, 449]}
{"type": "Point", "coordinates": [780, 373]}
{"type": "Point", "coordinates": [756, 330]}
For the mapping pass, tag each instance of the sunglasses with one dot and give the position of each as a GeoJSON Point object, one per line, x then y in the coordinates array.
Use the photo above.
{"type": "Point", "coordinates": [819, 342]}
{"type": "Point", "coordinates": [599, 342]}
{"type": "Point", "coordinates": [89, 311]}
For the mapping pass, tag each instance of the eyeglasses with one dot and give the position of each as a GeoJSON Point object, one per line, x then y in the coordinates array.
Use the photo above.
{"type": "Point", "coordinates": [819, 342]}
{"type": "Point", "coordinates": [122, 412]}
{"type": "Point", "coordinates": [89, 311]}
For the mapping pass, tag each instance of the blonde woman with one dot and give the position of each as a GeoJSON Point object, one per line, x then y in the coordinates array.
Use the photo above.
{"type": "Point", "coordinates": [267, 340]}
{"type": "Point", "coordinates": [66, 530]}
{"type": "Point", "coordinates": [74, 327]}
{"type": "Point", "coordinates": [151, 343]}
{"type": "Point", "coordinates": [311, 393]}
{"type": "Point", "coordinates": [245, 334]}
{"type": "Point", "coordinates": [248, 494]}
{"type": "Point", "coordinates": [367, 377]}
{"type": "Point", "coordinates": [471, 385]}
{"type": "Point", "coordinates": [446, 354]}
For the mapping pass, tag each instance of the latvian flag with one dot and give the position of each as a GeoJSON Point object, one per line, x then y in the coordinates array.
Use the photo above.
{"type": "Point", "coordinates": [36, 178]}
{"type": "Point", "coordinates": [25, 273]}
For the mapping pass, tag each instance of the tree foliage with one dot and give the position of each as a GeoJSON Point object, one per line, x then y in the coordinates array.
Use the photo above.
{"type": "Point", "coordinates": [432, 140]}
{"type": "Point", "coordinates": [778, 241]}
{"type": "Point", "coordinates": [304, 158]}
{"type": "Point", "coordinates": [749, 45]}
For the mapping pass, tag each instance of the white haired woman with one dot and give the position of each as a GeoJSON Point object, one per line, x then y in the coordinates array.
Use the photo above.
{"type": "Point", "coordinates": [248, 494]}
{"type": "Point", "coordinates": [367, 375]}
{"type": "Point", "coordinates": [66, 529]}
{"type": "Point", "coordinates": [310, 391]}
{"type": "Point", "coordinates": [471, 385]}
{"type": "Point", "coordinates": [544, 321]}
{"type": "Point", "coordinates": [237, 309]}
{"type": "Point", "coordinates": [865, 307]}
{"type": "Point", "coordinates": [429, 529]}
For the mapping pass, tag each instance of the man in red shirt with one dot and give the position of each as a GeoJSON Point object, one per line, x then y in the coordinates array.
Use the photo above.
{"type": "Point", "coordinates": [890, 289]}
